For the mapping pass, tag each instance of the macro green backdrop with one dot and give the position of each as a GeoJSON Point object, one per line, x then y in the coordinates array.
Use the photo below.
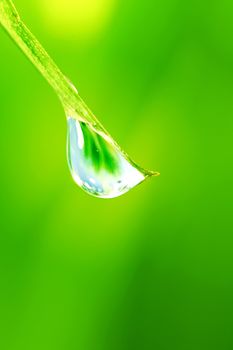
{"type": "Point", "coordinates": [152, 269]}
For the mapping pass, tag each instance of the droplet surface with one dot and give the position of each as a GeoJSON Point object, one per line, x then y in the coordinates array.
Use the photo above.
{"type": "Point", "coordinates": [97, 164]}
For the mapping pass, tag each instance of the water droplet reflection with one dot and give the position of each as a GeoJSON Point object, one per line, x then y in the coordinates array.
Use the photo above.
{"type": "Point", "coordinates": [97, 164]}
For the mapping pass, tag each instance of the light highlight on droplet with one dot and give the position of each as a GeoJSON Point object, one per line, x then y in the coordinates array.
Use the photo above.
{"type": "Point", "coordinates": [97, 165]}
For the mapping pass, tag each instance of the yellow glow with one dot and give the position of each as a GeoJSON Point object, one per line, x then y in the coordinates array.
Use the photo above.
{"type": "Point", "coordinates": [82, 18]}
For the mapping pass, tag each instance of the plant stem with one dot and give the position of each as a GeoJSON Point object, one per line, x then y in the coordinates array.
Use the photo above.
{"type": "Point", "coordinates": [27, 42]}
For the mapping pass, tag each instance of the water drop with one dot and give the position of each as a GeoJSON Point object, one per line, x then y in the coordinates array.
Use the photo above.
{"type": "Point", "coordinates": [73, 87]}
{"type": "Point", "coordinates": [97, 163]}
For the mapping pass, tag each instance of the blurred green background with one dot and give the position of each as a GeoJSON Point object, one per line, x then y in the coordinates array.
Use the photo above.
{"type": "Point", "coordinates": [152, 269]}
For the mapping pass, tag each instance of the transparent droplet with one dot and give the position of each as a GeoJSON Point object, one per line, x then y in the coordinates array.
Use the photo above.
{"type": "Point", "coordinates": [97, 164]}
{"type": "Point", "coordinates": [72, 85]}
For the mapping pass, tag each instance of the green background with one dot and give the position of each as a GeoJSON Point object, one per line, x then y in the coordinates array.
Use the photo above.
{"type": "Point", "coordinates": [152, 269]}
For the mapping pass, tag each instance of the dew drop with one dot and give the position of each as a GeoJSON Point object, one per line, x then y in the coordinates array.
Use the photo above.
{"type": "Point", "coordinates": [97, 164]}
{"type": "Point", "coordinates": [73, 87]}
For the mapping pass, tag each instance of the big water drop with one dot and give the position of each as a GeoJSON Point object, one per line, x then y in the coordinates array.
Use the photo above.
{"type": "Point", "coordinates": [97, 163]}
